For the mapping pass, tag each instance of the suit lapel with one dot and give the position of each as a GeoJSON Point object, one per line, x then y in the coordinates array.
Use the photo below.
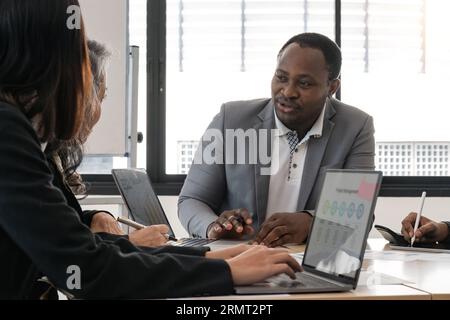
{"type": "Point", "coordinates": [265, 120]}
{"type": "Point", "coordinates": [314, 155]}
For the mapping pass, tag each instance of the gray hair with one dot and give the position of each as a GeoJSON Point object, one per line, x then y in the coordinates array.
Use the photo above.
{"type": "Point", "coordinates": [99, 56]}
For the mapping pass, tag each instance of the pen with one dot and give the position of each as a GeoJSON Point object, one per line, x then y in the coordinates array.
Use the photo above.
{"type": "Point", "coordinates": [139, 226]}
{"type": "Point", "coordinates": [419, 213]}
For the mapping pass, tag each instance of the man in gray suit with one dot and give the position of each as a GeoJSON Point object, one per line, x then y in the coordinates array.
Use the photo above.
{"type": "Point", "coordinates": [314, 132]}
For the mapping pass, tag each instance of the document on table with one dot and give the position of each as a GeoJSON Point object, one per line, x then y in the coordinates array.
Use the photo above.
{"type": "Point", "coordinates": [367, 277]}
{"type": "Point", "coordinates": [370, 278]}
{"type": "Point", "coordinates": [406, 256]}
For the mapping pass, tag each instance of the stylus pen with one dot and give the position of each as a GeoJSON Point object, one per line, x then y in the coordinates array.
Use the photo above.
{"type": "Point", "coordinates": [419, 213]}
{"type": "Point", "coordinates": [139, 226]}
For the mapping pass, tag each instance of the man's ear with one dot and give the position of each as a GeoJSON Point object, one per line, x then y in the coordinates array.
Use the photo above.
{"type": "Point", "coordinates": [334, 86]}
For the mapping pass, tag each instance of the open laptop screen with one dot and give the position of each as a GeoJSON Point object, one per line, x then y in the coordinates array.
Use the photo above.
{"type": "Point", "coordinates": [342, 220]}
{"type": "Point", "coordinates": [140, 198]}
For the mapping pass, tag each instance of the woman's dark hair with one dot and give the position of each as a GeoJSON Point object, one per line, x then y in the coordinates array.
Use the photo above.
{"type": "Point", "coordinates": [44, 64]}
{"type": "Point", "coordinates": [69, 153]}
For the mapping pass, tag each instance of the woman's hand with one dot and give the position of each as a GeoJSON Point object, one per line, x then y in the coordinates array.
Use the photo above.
{"type": "Point", "coordinates": [151, 236]}
{"type": "Point", "coordinates": [259, 263]}
{"type": "Point", "coordinates": [104, 222]}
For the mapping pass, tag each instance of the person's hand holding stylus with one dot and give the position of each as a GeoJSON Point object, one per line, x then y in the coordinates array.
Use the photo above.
{"type": "Point", "coordinates": [149, 236]}
{"type": "Point", "coordinates": [419, 214]}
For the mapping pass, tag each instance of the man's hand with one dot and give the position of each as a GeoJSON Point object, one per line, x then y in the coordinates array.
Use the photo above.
{"type": "Point", "coordinates": [283, 228]}
{"type": "Point", "coordinates": [231, 224]}
{"type": "Point", "coordinates": [428, 230]}
{"type": "Point", "coordinates": [151, 236]}
{"type": "Point", "coordinates": [104, 222]}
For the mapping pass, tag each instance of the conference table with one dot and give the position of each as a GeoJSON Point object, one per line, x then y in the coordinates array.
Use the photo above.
{"type": "Point", "coordinates": [430, 276]}
{"type": "Point", "coordinates": [392, 279]}
{"type": "Point", "coordinates": [417, 279]}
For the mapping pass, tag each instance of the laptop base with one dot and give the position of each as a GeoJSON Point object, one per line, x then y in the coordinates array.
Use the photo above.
{"type": "Point", "coordinates": [191, 242]}
{"type": "Point", "coordinates": [303, 283]}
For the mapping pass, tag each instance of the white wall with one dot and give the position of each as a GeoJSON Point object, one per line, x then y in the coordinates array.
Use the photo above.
{"type": "Point", "coordinates": [106, 21]}
{"type": "Point", "coordinates": [389, 211]}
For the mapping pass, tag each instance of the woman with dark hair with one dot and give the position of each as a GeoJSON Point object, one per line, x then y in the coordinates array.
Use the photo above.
{"type": "Point", "coordinates": [45, 86]}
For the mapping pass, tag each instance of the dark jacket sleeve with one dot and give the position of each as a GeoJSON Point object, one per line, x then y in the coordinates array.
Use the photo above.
{"type": "Point", "coordinates": [126, 246]}
{"type": "Point", "coordinates": [36, 218]}
{"type": "Point", "coordinates": [58, 181]}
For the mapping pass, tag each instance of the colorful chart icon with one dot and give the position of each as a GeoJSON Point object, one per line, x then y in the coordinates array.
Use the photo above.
{"type": "Point", "coordinates": [351, 210]}
{"type": "Point", "coordinates": [326, 207]}
{"type": "Point", "coordinates": [342, 208]}
{"type": "Point", "coordinates": [360, 211]}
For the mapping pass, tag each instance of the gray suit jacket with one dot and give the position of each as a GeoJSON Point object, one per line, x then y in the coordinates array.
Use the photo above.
{"type": "Point", "coordinates": [347, 141]}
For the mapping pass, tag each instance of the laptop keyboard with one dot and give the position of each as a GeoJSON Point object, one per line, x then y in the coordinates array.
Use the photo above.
{"type": "Point", "coordinates": [301, 280]}
{"type": "Point", "coordinates": [192, 242]}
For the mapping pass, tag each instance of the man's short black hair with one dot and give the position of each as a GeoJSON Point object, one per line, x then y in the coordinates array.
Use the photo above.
{"type": "Point", "coordinates": [329, 48]}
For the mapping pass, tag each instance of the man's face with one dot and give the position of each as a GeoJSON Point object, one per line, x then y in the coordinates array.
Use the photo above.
{"type": "Point", "coordinates": [300, 86]}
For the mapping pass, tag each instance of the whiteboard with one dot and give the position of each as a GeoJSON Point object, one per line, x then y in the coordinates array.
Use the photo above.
{"type": "Point", "coordinates": [106, 21]}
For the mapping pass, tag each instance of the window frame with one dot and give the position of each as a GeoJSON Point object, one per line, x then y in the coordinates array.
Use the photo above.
{"type": "Point", "coordinates": [171, 184]}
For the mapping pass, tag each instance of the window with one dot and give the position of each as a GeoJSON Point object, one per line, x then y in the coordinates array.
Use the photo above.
{"type": "Point", "coordinates": [415, 164]}
{"type": "Point", "coordinates": [226, 50]}
{"type": "Point", "coordinates": [219, 51]}
{"type": "Point", "coordinates": [203, 53]}
{"type": "Point", "coordinates": [185, 162]}
{"type": "Point", "coordinates": [394, 53]}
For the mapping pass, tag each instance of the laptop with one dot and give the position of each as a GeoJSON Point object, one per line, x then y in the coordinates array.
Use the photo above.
{"type": "Point", "coordinates": [335, 248]}
{"type": "Point", "coordinates": [143, 205]}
